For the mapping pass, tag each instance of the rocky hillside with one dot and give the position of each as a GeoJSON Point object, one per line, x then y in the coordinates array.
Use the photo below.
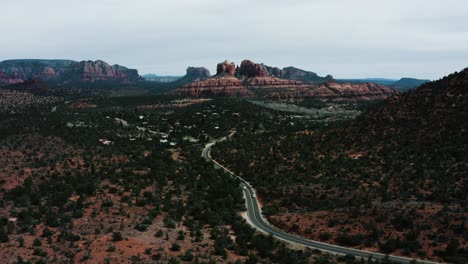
{"type": "Point", "coordinates": [392, 180]}
{"type": "Point", "coordinates": [64, 71]}
{"type": "Point", "coordinates": [258, 80]}
{"type": "Point", "coordinates": [431, 115]}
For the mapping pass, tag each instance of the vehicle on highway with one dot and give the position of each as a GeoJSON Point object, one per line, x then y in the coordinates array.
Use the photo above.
{"type": "Point", "coordinates": [253, 195]}
{"type": "Point", "coordinates": [244, 187]}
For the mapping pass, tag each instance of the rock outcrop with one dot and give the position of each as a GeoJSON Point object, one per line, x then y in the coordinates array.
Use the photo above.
{"type": "Point", "coordinates": [226, 68]}
{"type": "Point", "coordinates": [274, 71]}
{"type": "Point", "coordinates": [92, 71]}
{"type": "Point", "coordinates": [252, 79]}
{"type": "Point", "coordinates": [252, 69]}
{"type": "Point", "coordinates": [198, 73]}
{"type": "Point", "coordinates": [193, 74]}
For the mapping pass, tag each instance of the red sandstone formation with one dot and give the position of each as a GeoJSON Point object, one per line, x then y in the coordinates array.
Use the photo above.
{"type": "Point", "coordinates": [368, 91]}
{"type": "Point", "coordinates": [252, 69]}
{"type": "Point", "coordinates": [226, 68]}
{"type": "Point", "coordinates": [92, 71]}
{"type": "Point", "coordinates": [255, 79]}
{"type": "Point", "coordinates": [216, 86]}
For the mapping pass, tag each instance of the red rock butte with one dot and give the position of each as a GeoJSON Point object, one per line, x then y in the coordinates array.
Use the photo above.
{"type": "Point", "coordinates": [226, 67]}
{"type": "Point", "coordinates": [252, 79]}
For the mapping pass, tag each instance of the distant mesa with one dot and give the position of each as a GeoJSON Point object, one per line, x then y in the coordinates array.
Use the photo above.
{"type": "Point", "coordinates": [92, 71]}
{"type": "Point", "coordinates": [193, 74]}
{"type": "Point", "coordinates": [405, 84]}
{"type": "Point", "coordinates": [64, 71]}
{"type": "Point", "coordinates": [252, 79]}
{"type": "Point", "coordinates": [293, 73]}
{"type": "Point", "coordinates": [197, 73]}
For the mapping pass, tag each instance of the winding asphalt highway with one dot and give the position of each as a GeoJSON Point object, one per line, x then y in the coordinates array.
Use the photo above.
{"type": "Point", "coordinates": [255, 218]}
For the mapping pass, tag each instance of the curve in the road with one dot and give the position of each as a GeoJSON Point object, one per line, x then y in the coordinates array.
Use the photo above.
{"type": "Point", "coordinates": [255, 217]}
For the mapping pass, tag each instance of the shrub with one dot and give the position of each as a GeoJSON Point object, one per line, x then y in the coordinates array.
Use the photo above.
{"type": "Point", "coordinates": [325, 235]}
{"type": "Point", "coordinates": [117, 236]}
{"type": "Point", "coordinates": [37, 242]}
{"type": "Point", "coordinates": [175, 247]}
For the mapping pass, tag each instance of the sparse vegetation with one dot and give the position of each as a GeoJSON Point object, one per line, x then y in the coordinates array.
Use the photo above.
{"type": "Point", "coordinates": [127, 172]}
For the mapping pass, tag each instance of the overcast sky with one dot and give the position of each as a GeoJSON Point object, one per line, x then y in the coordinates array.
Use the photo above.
{"type": "Point", "coordinates": [348, 39]}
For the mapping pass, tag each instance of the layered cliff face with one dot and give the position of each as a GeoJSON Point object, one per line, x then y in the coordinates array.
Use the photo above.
{"type": "Point", "coordinates": [92, 71]}
{"type": "Point", "coordinates": [216, 86]}
{"type": "Point", "coordinates": [64, 71]}
{"type": "Point", "coordinates": [258, 80]}
{"type": "Point", "coordinates": [364, 91]}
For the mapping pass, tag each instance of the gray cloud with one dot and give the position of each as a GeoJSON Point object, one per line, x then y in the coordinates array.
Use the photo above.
{"type": "Point", "coordinates": [363, 38]}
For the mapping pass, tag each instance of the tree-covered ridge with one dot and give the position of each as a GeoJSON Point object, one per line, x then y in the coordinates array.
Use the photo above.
{"type": "Point", "coordinates": [389, 178]}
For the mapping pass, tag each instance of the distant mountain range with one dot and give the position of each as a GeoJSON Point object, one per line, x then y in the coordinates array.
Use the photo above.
{"type": "Point", "coordinates": [158, 78]}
